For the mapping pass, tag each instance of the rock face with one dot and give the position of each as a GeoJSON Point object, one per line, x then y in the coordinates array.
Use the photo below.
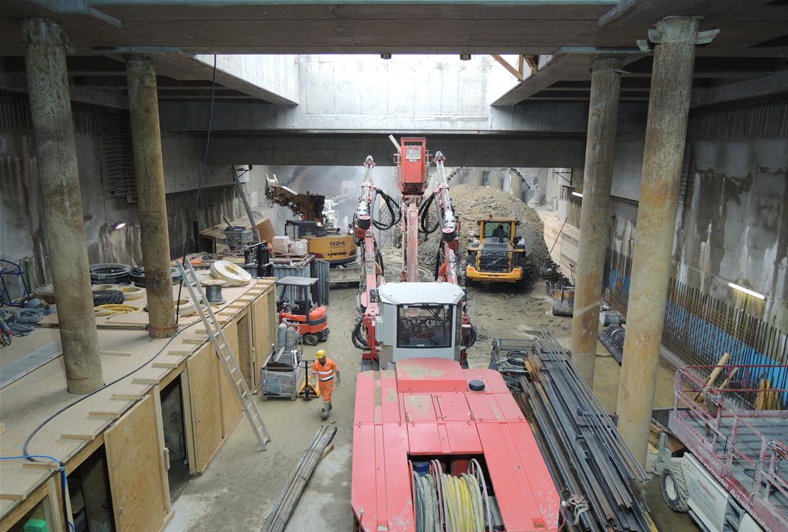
{"type": "Point", "coordinates": [472, 203]}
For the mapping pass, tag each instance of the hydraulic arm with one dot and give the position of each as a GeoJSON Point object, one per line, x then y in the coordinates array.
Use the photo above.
{"type": "Point", "coordinates": [414, 216]}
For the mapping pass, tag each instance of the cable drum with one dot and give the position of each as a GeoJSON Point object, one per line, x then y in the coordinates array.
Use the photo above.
{"type": "Point", "coordinates": [233, 274]}
{"type": "Point", "coordinates": [131, 293]}
{"type": "Point", "coordinates": [185, 306]}
{"type": "Point", "coordinates": [110, 273]}
{"type": "Point", "coordinates": [213, 290]}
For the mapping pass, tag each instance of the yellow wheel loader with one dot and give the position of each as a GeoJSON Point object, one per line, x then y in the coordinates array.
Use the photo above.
{"type": "Point", "coordinates": [497, 254]}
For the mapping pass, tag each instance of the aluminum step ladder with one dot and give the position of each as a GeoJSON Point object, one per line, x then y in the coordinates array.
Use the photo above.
{"type": "Point", "coordinates": [214, 329]}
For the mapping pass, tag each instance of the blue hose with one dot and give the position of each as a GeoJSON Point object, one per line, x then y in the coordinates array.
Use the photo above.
{"type": "Point", "coordinates": [62, 479]}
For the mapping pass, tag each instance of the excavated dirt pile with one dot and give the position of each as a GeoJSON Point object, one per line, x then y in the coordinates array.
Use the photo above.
{"type": "Point", "coordinates": [473, 203]}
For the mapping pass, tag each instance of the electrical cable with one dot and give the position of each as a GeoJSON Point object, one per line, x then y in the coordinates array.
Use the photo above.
{"type": "Point", "coordinates": [41, 425]}
{"type": "Point", "coordinates": [199, 188]}
{"type": "Point", "coordinates": [82, 398]}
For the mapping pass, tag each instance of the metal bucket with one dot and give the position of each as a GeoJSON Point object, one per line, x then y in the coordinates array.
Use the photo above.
{"type": "Point", "coordinates": [564, 301]}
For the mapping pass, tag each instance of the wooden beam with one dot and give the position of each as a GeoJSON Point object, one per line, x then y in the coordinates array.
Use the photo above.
{"type": "Point", "coordinates": [507, 66]}
{"type": "Point", "coordinates": [115, 353]}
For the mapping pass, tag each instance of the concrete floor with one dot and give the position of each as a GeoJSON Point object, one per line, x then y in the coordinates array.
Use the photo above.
{"type": "Point", "coordinates": [239, 487]}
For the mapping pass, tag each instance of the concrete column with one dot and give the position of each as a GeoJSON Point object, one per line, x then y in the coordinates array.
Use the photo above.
{"type": "Point", "coordinates": [474, 177]}
{"type": "Point", "coordinates": [517, 185]}
{"type": "Point", "coordinates": [495, 179]}
{"type": "Point", "coordinates": [666, 131]}
{"type": "Point", "coordinates": [595, 216]}
{"type": "Point", "coordinates": [151, 201]}
{"type": "Point", "coordinates": [50, 109]}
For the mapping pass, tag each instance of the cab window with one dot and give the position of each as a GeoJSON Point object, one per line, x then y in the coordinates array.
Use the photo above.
{"type": "Point", "coordinates": [424, 326]}
{"type": "Point", "coordinates": [497, 230]}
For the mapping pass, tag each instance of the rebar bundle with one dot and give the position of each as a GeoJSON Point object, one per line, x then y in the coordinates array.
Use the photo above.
{"type": "Point", "coordinates": [592, 467]}
{"type": "Point", "coordinates": [291, 493]}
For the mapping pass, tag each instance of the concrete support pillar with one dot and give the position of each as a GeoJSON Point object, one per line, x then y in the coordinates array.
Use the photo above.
{"type": "Point", "coordinates": [53, 129]}
{"type": "Point", "coordinates": [666, 131]}
{"type": "Point", "coordinates": [151, 200]}
{"type": "Point", "coordinates": [517, 185]}
{"type": "Point", "coordinates": [595, 216]}
{"type": "Point", "coordinates": [474, 177]}
{"type": "Point", "coordinates": [495, 179]}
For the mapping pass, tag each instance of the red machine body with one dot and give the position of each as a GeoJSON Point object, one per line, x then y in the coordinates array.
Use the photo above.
{"type": "Point", "coordinates": [412, 161]}
{"type": "Point", "coordinates": [425, 410]}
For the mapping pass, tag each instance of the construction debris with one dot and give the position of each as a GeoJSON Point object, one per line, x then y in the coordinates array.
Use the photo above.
{"type": "Point", "coordinates": [291, 493]}
{"type": "Point", "coordinates": [591, 465]}
{"type": "Point", "coordinates": [473, 203]}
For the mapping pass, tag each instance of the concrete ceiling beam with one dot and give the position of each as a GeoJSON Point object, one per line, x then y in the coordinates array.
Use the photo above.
{"type": "Point", "coordinates": [756, 88]}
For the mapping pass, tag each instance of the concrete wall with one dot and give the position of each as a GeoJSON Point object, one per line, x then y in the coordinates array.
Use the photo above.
{"type": "Point", "coordinates": [736, 227]}
{"type": "Point", "coordinates": [732, 224]}
{"type": "Point", "coordinates": [102, 143]}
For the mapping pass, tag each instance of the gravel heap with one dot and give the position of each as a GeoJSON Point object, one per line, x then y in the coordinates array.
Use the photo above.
{"type": "Point", "coordinates": [472, 203]}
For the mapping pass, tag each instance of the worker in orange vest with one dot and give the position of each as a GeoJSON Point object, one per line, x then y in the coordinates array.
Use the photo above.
{"type": "Point", "coordinates": [325, 370]}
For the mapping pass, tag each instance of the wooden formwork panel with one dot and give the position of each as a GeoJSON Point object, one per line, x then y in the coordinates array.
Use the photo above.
{"type": "Point", "coordinates": [245, 354]}
{"type": "Point", "coordinates": [204, 406]}
{"type": "Point", "coordinates": [135, 460]}
{"type": "Point", "coordinates": [231, 408]}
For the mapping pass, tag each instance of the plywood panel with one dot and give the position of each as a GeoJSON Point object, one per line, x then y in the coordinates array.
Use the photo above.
{"type": "Point", "coordinates": [205, 405]}
{"type": "Point", "coordinates": [244, 353]}
{"type": "Point", "coordinates": [231, 408]}
{"type": "Point", "coordinates": [135, 460]}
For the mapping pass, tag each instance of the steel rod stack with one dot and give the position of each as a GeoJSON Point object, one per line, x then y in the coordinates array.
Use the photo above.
{"type": "Point", "coordinates": [291, 493]}
{"type": "Point", "coordinates": [591, 465]}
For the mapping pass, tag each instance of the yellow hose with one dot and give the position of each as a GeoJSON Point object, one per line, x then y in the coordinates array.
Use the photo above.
{"type": "Point", "coordinates": [106, 311]}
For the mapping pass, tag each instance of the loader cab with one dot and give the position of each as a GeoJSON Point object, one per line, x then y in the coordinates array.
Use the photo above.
{"type": "Point", "coordinates": [420, 320]}
{"type": "Point", "coordinates": [497, 253]}
{"type": "Point", "coordinates": [298, 229]}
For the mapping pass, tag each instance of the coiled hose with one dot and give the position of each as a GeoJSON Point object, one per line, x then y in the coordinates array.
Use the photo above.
{"type": "Point", "coordinates": [110, 273]}
{"type": "Point", "coordinates": [451, 503]}
{"type": "Point", "coordinates": [21, 321]}
{"type": "Point", "coordinates": [394, 212]}
{"type": "Point", "coordinates": [424, 216]}
{"type": "Point", "coordinates": [358, 339]}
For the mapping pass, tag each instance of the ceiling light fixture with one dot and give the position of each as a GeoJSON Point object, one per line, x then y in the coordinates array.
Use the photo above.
{"type": "Point", "coordinates": [465, 57]}
{"type": "Point", "coordinates": [385, 56]}
{"type": "Point", "coordinates": [746, 291]}
{"type": "Point", "coordinates": [578, 194]}
{"type": "Point", "coordinates": [118, 225]}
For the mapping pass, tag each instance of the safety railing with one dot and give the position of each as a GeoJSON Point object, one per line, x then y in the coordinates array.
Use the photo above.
{"type": "Point", "coordinates": [737, 426]}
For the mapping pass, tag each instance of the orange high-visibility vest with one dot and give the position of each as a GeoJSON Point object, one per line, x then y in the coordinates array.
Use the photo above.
{"type": "Point", "coordinates": [325, 372]}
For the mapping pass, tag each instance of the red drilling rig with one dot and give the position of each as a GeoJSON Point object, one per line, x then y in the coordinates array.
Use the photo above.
{"type": "Point", "coordinates": [436, 446]}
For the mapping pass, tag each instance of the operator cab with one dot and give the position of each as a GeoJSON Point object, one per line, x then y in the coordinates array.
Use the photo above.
{"type": "Point", "coordinates": [298, 229]}
{"type": "Point", "coordinates": [419, 320]}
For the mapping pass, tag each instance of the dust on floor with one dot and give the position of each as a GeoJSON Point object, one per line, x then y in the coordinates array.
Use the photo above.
{"type": "Point", "coordinates": [242, 483]}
